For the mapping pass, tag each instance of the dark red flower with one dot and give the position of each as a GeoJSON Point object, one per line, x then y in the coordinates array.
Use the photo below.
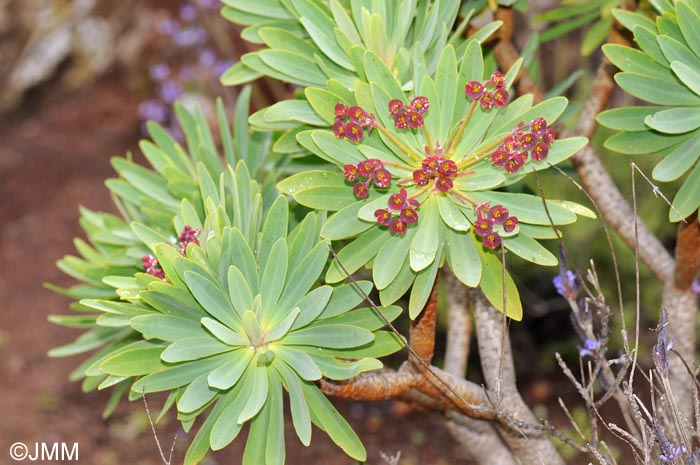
{"type": "Point", "coordinates": [483, 227]}
{"type": "Point", "coordinates": [498, 214]}
{"type": "Point", "coordinates": [510, 144]}
{"type": "Point", "coordinates": [353, 131]}
{"type": "Point", "coordinates": [549, 135]}
{"type": "Point", "coordinates": [414, 119]}
{"type": "Point", "coordinates": [528, 140]}
{"type": "Point", "coordinates": [474, 90]}
{"type": "Point", "coordinates": [486, 100]}
{"type": "Point", "coordinates": [341, 111]}
{"type": "Point", "coordinates": [499, 157]}
{"type": "Point", "coordinates": [398, 201]}
{"type": "Point", "coordinates": [497, 79]}
{"type": "Point", "coordinates": [397, 226]}
{"type": "Point", "coordinates": [409, 215]}
{"type": "Point", "coordinates": [351, 173]}
{"type": "Point", "coordinates": [444, 184]}
{"type": "Point", "coordinates": [447, 167]}
{"type": "Point", "coordinates": [361, 190]}
{"type": "Point", "coordinates": [500, 97]}
{"type": "Point", "coordinates": [339, 129]}
{"type": "Point", "coordinates": [538, 126]}
{"type": "Point", "coordinates": [513, 164]}
{"type": "Point", "coordinates": [421, 177]}
{"type": "Point", "coordinates": [381, 177]}
{"type": "Point", "coordinates": [356, 114]}
{"type": "Point", "coordinates": [420, 104]}
{"type": "Point", "coordinates": [395, 107]}
{"type": "Point", "coordinates": [540, 151]}
{"type": "Point", "coordinates": [383, 216]}
{"type": "Point", "coordinates": [366, 167]}
{"type": "Point", "coordinates": [400, 121]}
{"type": "Point", "coordinates": [492, 240]}
{"type": "Point", "coordinates": [510, 224]}
{"type": "Point", "coordinates": [431, 165]}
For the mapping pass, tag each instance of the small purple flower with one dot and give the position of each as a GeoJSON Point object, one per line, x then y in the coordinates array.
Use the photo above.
{"type": "Point", "coordinates": [672, 456]}
{"type": "Point", "coordinates": [210, 4]}
{"type": "Point", "coordinates": [159, 72]}
{"type": "Point", "coordinates": [662, 347]}
{"type": "Point", "coordinates": [190, 36]}
{"type": "Point", "coordinates": [188, 12]}
{"type": "Point", "coordinates": [168, 27]}
{"type": "Point", "coordinates": [566, 285]}
{"type": "Point", "coordinates": [153, 110]}
{"type": "Point", "coordinates": [590, 346]}
{"type": "Point", "coordinates": [696, 286]}
{"type": "Point", "coordinates": [207, 58]}
{"type": "Point", "coordinates": [170, 91]}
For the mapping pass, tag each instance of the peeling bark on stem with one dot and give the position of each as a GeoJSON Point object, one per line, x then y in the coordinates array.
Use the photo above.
{"type": "Point", "coordinates": [529, 444]}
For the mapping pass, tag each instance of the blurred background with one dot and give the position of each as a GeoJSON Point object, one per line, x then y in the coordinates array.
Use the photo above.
{"type": "Point", "coordinates": [78, 78]}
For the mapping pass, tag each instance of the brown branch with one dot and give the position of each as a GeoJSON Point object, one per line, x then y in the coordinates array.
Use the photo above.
{"type": "Point", "coordinates": [459, 328]}
{"type": "Point", "coordinates": [421, 336]}
{"type": "Point", "coordinates": [372, 386]}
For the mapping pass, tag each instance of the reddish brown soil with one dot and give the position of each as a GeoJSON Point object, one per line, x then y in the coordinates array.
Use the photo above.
{"type": "Point", "coordinates": [54, 156]}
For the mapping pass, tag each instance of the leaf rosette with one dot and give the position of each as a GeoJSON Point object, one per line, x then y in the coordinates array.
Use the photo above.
{"type": "Point", "coordinates": [467, 136]}
{"type": "Point", "coordinates": [664, 71]}
{"type": "Point", "coordinates": [152, 199]}
{"type": "Point", "coordinates": [240, 317]}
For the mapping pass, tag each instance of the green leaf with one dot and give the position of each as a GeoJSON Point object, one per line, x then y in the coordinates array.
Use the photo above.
{"type": "Point", "coordinates": [312, 305]}
{"type": "Point", "coordinates": [297, 402]}
{"type": "Point", "coordinates": [391, 257]}
{"type": "Point", "coordinates": [224, 428]}
{"type": "Point", "coordinates": [492, 285]}
{"type": "Point", "coordinates": [228, 374]}
{"type": "Point", "coordinates": [197, 395]}
{"type": "Point", "coordinates": [275, 228]}
{"type": "Point", "coordinates": [327, 418]}
{"type": "Point", "coordinates": [446, 82]}
{"type": "Point", "coordinates": [239, 292]}
{"type": "Point", "coordinates": [332, 336]}
{"type": "Point", "coordinates": [166, 327]}
{"type": "Point", "coordinates": [281, 329]}
{"type": "Point", "coordinates": [674, 120]}
{"type": "Point", "coordinates": [423, 286]}
{"type": "Point", "coordinates": [273, 279]}
{"type": "Point", "coordinates": [211, 297]}
{"type": "Point", "coordinates": [451, 215]}
{"type": "Point", "coordinates": [274, 452]}
{"type": "Point", "coordinates": [293, 110]}
{"type": "Point", "coordinates": [302, 364]}
{"type": "Point", "coordinates": [463, 258]}
{"type": "Point", "coordinates": [345, 223]}
{"type": "Point", "coordinates": [689, 22]}
{"type": "Point", "coordinates": [323, 102]}
{"type": "Point", "coordinates": [355, 254]}
{"type": "Point", "coordinates": [304, 276]}
{"type": "Point", "coordinates": [179, 375]}
{"type": "Point", "coordinates": [689, 76]}
{"type": "Point", "coordinates": [596, 35]}
{"type": "Point", "coordinates": [224, 333]}
{"type": "Point", "coordinates": [687, 199]}
{"type": "Point", "coordinates": [257, 389]}
{"type": "Point", "coordinates": [134, 362]}
{"type": "Point", "coordinates": [526, 247]}
{"type": "Point", "coordinates": [673, 165]}
{"type": "Point", "coordinates": [427, 240]}
{"type": "Point", "coordinates": [346, 297]}
{"type": "Point", "coordinates": [193, 348]}
{"type": "Point", "coordinates": [299, 68]}
{"type": "Point", "coordinates": [336, 369]}
{"type": "Point", "coordinates": [636, 61]}
{"type": "Point", "coordinates": [644, 142]}
{"type": "Point", "coordinates": [656, 90]}
{"type": "Point", "coordinates": [627, 118]}
{"type": "Point", "coordinates": [308, 179]}
{"type": "Point", "coordinates": [368, 318]}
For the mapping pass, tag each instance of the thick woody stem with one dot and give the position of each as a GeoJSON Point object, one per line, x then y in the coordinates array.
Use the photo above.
{"type": "Point", "coordinates": [422, 333]}
{"type": "Point", "coordinates": [372, 386]}
{"type": "Point", "coordinates": [459, 329]}
{"type": "Point", "coordinates": [529, 444]}
{"type": "Point", "coordinates": [681, 303]}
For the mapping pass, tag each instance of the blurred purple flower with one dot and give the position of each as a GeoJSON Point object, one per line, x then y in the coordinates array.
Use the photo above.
{"type": "Point", "coordinates": [207, 58]}
{"type": "Point", "coordinates": [175, 132]}
{"type": "Point", "coordinates": [211, 4]}
{"type": "Point", "coordinates": [589, 347]}
{"type": "Point", "coordinates": [222, 66]}
{"type": "Point", "coordinates": [170, 91]}
{"type": "Point", "coordinates": [567, 286]}
{"type": "Point", "coordinates": [168, 27]}
{"type": "Point", "coordinates": [190, 36]}
{"type": "Point", "coordinates": [672, 455]}
{"type": "Point", "coordinates": [160, 72]}
{"type": "Point", "coordinates": [188, 12]}
{"type": "Point", "coordinates": [696, 286]}
{"type": "Point", "coordinates": [153, 110]}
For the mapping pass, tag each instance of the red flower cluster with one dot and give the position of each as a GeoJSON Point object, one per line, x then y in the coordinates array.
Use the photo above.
{"type": "Point", "coordinates": [186, 237]}
{"type": "Point", "coordinates": [350, 122]}
{"type": "Point", "coordinates": [402, 204]}
{"type": "Point", "coordinates": [487, 218]}
{"type": "Point", "coordinates": [409, 115]}
{"type": "Point", "coordinates": [436, 167]}
{"type": "Point", "coordinates": [368, 171]}
{"type": "Point", "coordinates": [535, 138]}
{"type": "Point", "coordinates": [475, 90]}
{"type": "Point", "coordinates": [152, 267]}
